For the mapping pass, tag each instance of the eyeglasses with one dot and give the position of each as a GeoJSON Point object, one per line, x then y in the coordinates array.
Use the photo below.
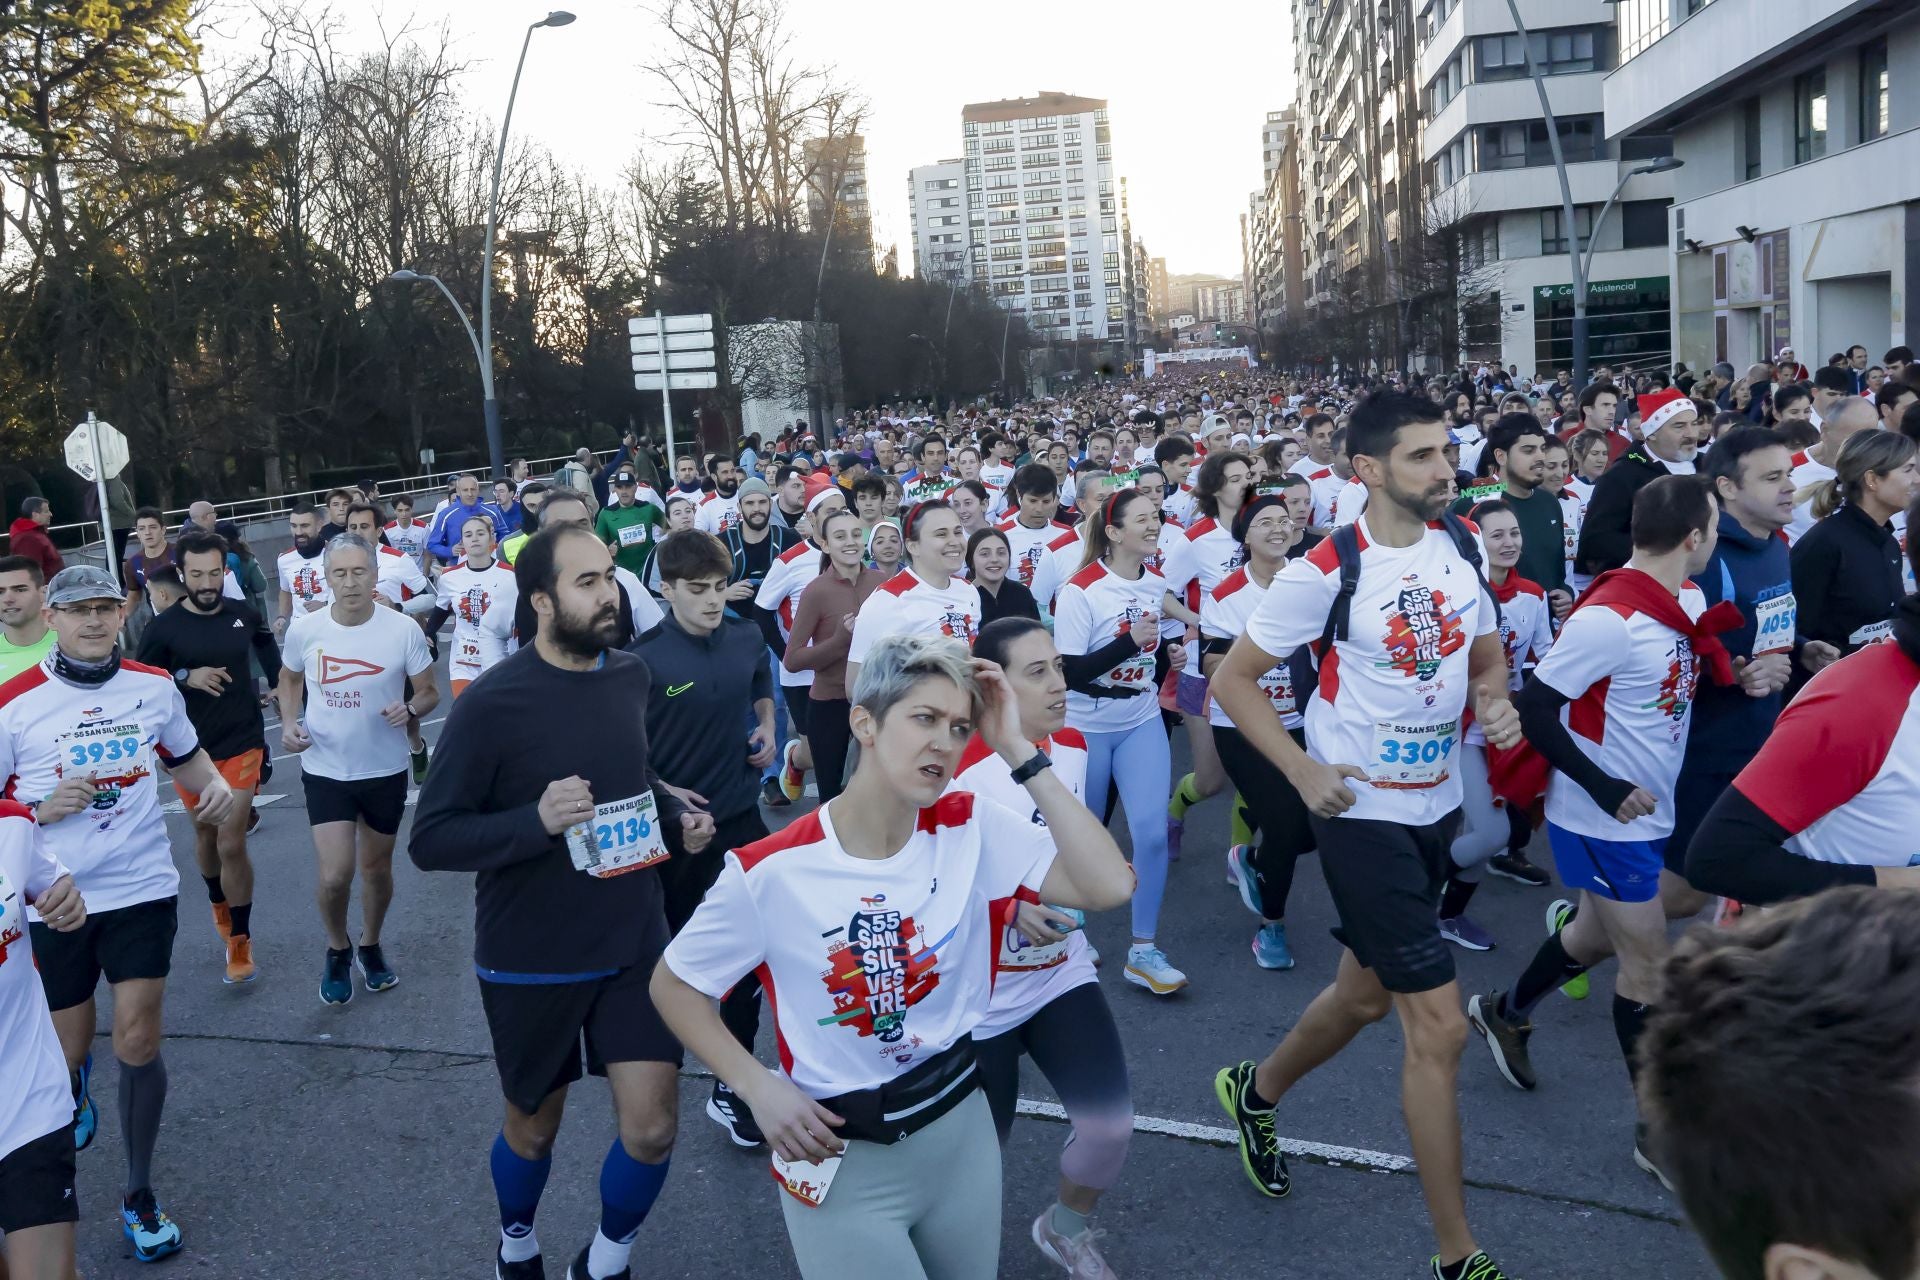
{"type": "Point", "coordinates": [106, 610]}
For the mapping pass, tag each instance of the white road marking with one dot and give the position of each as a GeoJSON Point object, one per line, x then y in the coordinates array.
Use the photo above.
{"type": "Point", "coordinates": [1217, 1136]}
{"type": "Point", "coordinates": [259, 802]}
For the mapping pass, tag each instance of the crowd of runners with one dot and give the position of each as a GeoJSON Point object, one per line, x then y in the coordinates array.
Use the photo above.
{"type": "Point", "coordinates": [1633, 639]}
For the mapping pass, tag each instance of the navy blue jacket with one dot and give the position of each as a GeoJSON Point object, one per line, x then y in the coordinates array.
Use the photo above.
{"type": "Point", "coordinates": [1728, 726]}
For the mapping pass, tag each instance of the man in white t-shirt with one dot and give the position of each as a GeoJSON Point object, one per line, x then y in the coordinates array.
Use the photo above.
{"type": "Point", "coordinates": [344, 709]}
{"type": "Point", "coordinates": [303, 587]}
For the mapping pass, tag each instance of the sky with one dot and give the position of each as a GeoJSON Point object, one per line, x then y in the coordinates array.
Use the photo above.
{"type": "Point", "coordinates": [1186, 99]}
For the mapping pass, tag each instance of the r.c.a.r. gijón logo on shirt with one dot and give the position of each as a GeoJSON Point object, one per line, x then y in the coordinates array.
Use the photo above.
{"type": "Point", "coordinates": [1421, 630]}
{"type": "Point", "coordinates": [881, 968]}
{"type": "Point", "coordinates": [339, 678]}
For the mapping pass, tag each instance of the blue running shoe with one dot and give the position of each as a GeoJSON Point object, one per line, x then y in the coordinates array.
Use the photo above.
{"type": "Point", "coordinates": [153, 1233]}
{"type": "Point", "coordinates": [375, 971]}
{"type": "Point", "coordinates": [1245, 878]}
{"type": "Point", "coordinates": [336, 978]}
{"type": "Point", "coordinates": [1270, 949]}
{"type": "Point", "coordinates": [86, 1121]}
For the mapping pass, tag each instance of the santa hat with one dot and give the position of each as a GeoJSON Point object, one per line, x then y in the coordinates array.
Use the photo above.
{"type": "Point", "coordinates": [818, 488]}
{"type": "Point", "coordinates": [1659, 408]}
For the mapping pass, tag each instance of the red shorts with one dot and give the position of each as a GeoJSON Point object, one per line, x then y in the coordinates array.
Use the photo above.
{"type": "Point", "coordinates": [242, 773]}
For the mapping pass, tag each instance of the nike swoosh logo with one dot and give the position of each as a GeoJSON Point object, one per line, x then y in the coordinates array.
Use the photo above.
{"type": "Point", "coordinates": [675, 690]}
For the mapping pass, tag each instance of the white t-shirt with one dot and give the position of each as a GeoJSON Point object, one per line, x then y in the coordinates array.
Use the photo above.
{"type": "Point", "coordinates": [872, 965]}
{"type": "Point", "coordinates": [398, 576]}
{"type": "Point", "coordinates": [1349, 503]}
{"type": "Point", "coordinates": [303, 579]}
{"type": "Point", "coordinates": [1573, 514]}
{"type": "Point", "coordinates": [496, 624]}
{"type": "Point", "coordinates": [1526, 633]}
{"type": "Point", "coordinates": [1325, 486]}
{"type": "Point", "coordinates": [1028, 975]}
{"type": "Point", "coordinates": [1631, 681]}
{"type": "Point", "coordinates": [351, 674]}
{"type": "Point", "coordinates": [410, 537]}
{"type": "Point", "coordinates": [716, 515]}
{"type": "Point", "coordinates": [1806, 471]}
{"type": "Point", "coordinates": [119, 732]}
{"type": "Point", "coordinates": [1097, 607]}
{"type": "Point", "coordinates": [1027, 547]}
{"type": "Point", "coordinates": [1223, 616]}
{"type": "Point", "coordinates": [1391, 695]}
{"type": "Point", "coordinates": [1058, 563]}
{"type": "Point", "coordinates": [469, 592]}
{"type": "Point", "coordinates": [792, 572]}
{"type": "Point", "coordinates": [908, 605]}
{"type": "Point", "coordinates": [36, 1101]}
{"type": "Point", "coordinates": [1181, 505]}
{"type": "Point", "coordinates": [996, 477]}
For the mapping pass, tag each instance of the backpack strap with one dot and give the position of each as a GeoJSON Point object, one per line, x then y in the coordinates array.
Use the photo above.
{"type": "Point", "coordinates": [1469, 549]}
{"type": "Point", "coordinates": [1346, 546]}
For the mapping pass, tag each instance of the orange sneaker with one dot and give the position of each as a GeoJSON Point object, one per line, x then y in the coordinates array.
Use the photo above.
{"type": "Point", "coordinates": [223, 920]}
{"type": "Point", "coordinates": [240, 960]}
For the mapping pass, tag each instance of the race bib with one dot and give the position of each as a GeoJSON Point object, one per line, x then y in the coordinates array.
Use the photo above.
{"type": "Point", "coordinates": [114, 755]}
{"type": "Point", "coordinates": [635, 535]}
{"type": "Point", "coordinates": [1017, 951]}
{"type": "Point", "coordinates": [1277, 684]}
{"type": "Point", "coordinates": [623, 836]}
{"type": "Point", "coordinates": [807, 1183]}
{"type": "Point", "coordinates": [1872, 633]}
{"type": "Point", "coordinates": [1412, 756]}
{"type": "Point", "coordinates": [1773, 624]}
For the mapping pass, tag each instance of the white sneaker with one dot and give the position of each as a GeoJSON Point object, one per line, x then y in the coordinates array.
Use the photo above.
{"type": "Point", "coordinates": [1079, 1255]}
{"type": "Point", "coordinates": [1147, 967]}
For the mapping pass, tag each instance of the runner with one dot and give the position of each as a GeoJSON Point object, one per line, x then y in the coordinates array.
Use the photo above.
{"type": "Point", "coordinates": [565, 821]}
{"type": "Point", "coordinates": [719, 511]}
{"type": "Point", "coordinates": [1628, 660]}
{"type": "Point", "coordinates": [1108, 630]}
{"type": "Point", "coordinates": [205, 642]}
{"type": "Point", "coordinates": [1417, 619]}
{"type": "Point", "coordinates": [1033, 526]}
{"type": "Point", "coordinates": [627, 525]}
{"type": "Point", "coordinates": [399, 583]}
{"type": "Point", "coordinates": [38, 1204]}
{"type": "Point", "coordinates": [79, 737]}
{"type": "Point", "coordinates": [344, 709]}
{"type": "Point", "coordinates": [1067, 553]}
{"type": "Point", "coordinates": [926, 597]}
{"type": "Point", "coordinates": [404, 533]}
{"type": "Point", "coordinates": [822, 633]}
{"type": "Point", "coordinates": [464, 592]}
{"type": "Point", "coordinates": [511, 622]}
{"type": "Point", "coordinates": [791, 573]}
{"type": "Point", "coordinates": [1847, 581]}
{"type": "Point", "coordinates": [1263, 873]}
{"type": "Point", "coordinates": [889, 1158]}
{"type": "Point", "coordinates": [25, 637]}
{"type": "Point", "coordinates": [303, 583]}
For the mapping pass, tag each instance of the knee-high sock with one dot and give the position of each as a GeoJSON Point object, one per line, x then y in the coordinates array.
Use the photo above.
{"type": "Point", "coordinates": [1242, 830]}
{"type": "Point", "coordinates": [1185, 796]}
{"type": "Point", "coordinates": [1551, 967]}
{"type": "Point", "coordinates": [1629, 1020]}
{"type": "Point", "coordinates": [628, 1189]}
{"type": "Point", "coordinates": [143, 1096]}
{"type": "Point", "coordinates": [517, 1186]}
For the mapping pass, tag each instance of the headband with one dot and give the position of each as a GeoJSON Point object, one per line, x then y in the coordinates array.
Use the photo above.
{"type": "Point", "coordinates": [1262, 499]}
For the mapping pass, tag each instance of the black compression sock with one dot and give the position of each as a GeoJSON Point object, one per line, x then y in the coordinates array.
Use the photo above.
{"type": "Point", "coordinates": [1629, 1020]}
{"type": "Point", "coordinates": [1455, 897]}
{"type": "Point", "coordinates": [243, 919]}
{"type": "Point", "coordinates": [1253, 1100]}
{"type": "Point", "coordinates": [215, 894]}
{"type": "Point", "coordinates": [1551, 967]}
{"type": "Point", "coordinates": [1458, 1270]}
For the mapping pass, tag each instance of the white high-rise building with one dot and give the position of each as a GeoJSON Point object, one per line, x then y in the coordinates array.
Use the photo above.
{"type": "Point", "coordinates": [937, 199]}
{"type": "Point", "coordinates": [1043, 213]}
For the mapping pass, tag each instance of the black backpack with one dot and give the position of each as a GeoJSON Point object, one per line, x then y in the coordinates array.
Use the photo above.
{"type": "Point", "coordinates": [1346, 545]}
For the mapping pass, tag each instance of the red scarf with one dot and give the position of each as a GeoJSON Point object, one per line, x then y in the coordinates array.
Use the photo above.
{"type": "Point", "coordinates": [1643, 593]}
{"type": "Point", "coordinates": [1504, 592]}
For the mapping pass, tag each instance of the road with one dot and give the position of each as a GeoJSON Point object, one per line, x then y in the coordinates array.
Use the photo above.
{"type": "Point", "coordinates": [351, 1142]}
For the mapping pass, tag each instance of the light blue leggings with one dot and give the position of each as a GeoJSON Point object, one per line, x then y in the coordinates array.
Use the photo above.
{"type": "Point", "coordinates": [1140, 763]}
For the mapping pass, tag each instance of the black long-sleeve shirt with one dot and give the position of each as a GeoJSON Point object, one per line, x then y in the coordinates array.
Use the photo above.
{"type": "Point", "coordinates": [179, 639]}
{"type": "Point", "coordinates": [701, 695]}
{"type": "Point", "coordinates": [1846, 576]}
{"type": "Point", "coordinates": [526, 725]}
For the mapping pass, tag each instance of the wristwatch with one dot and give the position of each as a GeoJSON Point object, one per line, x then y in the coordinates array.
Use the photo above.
{"type": "Point", "coordinates": [1031, 769]}
{"type": "Point", "coordinates": [182, 675]}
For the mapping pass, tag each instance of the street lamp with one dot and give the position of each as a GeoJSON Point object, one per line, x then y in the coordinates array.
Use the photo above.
{"type": "Point", "coordinates": [404, 276]}
{"type": "Point", "coordinates": [496, 448]}
{"type": "Point", "coordinates": [1386, 248]}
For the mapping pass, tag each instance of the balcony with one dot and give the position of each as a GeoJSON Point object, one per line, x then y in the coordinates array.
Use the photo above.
{"type": "Point", "coordinates": [1571, 95]}
{"type": "Point", "coordinates": [1536, 187]}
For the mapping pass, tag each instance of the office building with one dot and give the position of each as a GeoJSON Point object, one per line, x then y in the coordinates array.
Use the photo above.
{"type": "Point", "coordinates": [937, 201]}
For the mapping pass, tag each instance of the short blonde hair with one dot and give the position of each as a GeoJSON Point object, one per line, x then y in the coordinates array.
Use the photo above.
{"type": "Point", "coordinates": [896, 664]}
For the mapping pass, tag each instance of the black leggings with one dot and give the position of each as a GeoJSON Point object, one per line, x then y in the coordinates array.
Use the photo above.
{"type": "Point", "coordinates": [684, 881]}
{"type": "Point", "coordinates": [829, 734]}
{"type": "Point", "coordinates": [1073, 1041]}
{"type": "Point", "coordinates": [1275, 808]}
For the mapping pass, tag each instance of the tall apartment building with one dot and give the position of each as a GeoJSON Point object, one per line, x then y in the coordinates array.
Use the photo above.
{"type": "Point", "coordinates": [937, 202]}
{"type": "Point", "coordinates": [1159, 291]}
{"type": "Point", "coordinates": [1495, 195]}
{"type": "Point", "coordinates": [1795, 220]}
{"type": "Point", "coordinates": [1043, 213]}
{"type": "Point", "coordinates": [837, 169]}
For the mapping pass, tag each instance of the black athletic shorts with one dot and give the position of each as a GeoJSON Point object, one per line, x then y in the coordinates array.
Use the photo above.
{"type": "Point", "coordinates": [1386, 878]}
{"type": "Point", "coordinates": [36, 1183]}
{"type": "Point", "coordinates": [799, 700]}
{"type": "Point", "coordinates": [541, 1029]}
{"type": "Point", "coordinates": [380, 802]}
{"type": "Point", "coordinates": [124, 943]}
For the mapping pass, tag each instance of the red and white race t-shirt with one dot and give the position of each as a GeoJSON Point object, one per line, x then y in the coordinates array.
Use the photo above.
{"type": "Point", "coordinates": [1573, 514]}
{"type": "Point", "coordinates": [398, 576]}
{"type": "Point", "coordinates": [304, 579]}
{"type": "Point", "coordinates": [1202, 561]}
{"type": "Point", "coordinates": [118, 733]}
{"type": "Point", "coordinates": [408, 538]}
{"type": "Point", "coordinates": [1526, 633]}
{"type": "Point", "coordinates": [1181, 504]}
{"type": "Point", "coordinates": [1095, 608]}
{"type": "Point", "coordinates": [1630, 680]}
{"type": "Point", "coordinates": [908, 605]}
{"type": "Point", "coordinates": [1028, 975]}
{"type": "Point", "coordinates": [792, 572]}
{"type": "Point", "coordinates": [1223, 616]}
{"type": "Point", "coordinates": [1392, 694]}
{"type": "Point", "coordinates": [1061, 560]}
{"type": "Point", "coordinates": [351, 674]}
{"type": "Point", "coordinates": [871, 965]}
{"type": "Point", "coordinates": [716, 515]}
{"type": "Point", "coordinates": [1348, 504]}
{"type": "Point", "coordinates": [1806, 471]}
{"type": "Point", "coordinates": [1326, 487]}
{"type": "Point", "coordinates": [1841, 770]}
{"type": "Point", "coordinates": [36, 1101]}
{"type": "Point", "coordinates": [1027, 546]}
{"type": "Point", "coordinates": [468, 592]}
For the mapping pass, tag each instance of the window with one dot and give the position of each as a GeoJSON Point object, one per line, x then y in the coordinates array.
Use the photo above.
{"type": "Point", "coordinates": [1523, 143]}
{"type": "Point", "coordinates": [1563, 52]}
{"type": "Point", "coordinates": [1809, 116]}
{"type": "Point", "coordinates": [1874, 114]}
{"type": "Point", "coordinates": [1750, 138]}
{"type": "Point", "coordinates": [1643, 224]}
{"type": "Point", "coordinates": [1554, 240]}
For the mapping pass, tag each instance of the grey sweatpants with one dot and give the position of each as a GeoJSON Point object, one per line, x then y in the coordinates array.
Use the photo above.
{"type": "Point", "coordinates": [927, 1208]}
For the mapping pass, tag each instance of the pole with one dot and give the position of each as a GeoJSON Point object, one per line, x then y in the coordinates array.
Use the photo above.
{"type": "Point", "coordinates": [1566, 204]}
{"type": "Point", "coordinates": [490, 404]}
{"type": "Point", "coordinates": [666, 396]}
{"type": "Point", "coordinates": [100, 491]}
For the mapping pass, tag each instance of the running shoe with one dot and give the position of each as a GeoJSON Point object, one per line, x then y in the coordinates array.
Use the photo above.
{"type": "Point", "coordinates": [1147, 966]}
{"type": "Point", "coordinates": [1176, 827]}
{"type": "Point", "coordinates": [793, 782]}
{"type": "Point", "coordinates": [86, 1120]}
{"type": "Point", "coordinates": [223, 919]}
{"type": "Point", "coordinates": [1461, 931]}
{"type": "Point", "coordinates": [253, 820]}
{"type": "Point", "coordinates": [240, 961]}
{"type": "Point", "coordinates": [577, 1270]}
{"type": "Point", "coordinates": [1645, 1161]}
{"type": "Point", "coordinates": [1078, 1255]}
{"type": "Point", "coordinates": [374, 969]}
{"type": "Point", "coordinates": [1506, 1040]}
{"type": "Point", "coordinates": [1260, 1153]}
{"type": "Point", "coordinates": [1270, 949]}
{"type": "Point", "coordinates": [773, 795]}
{"type": "Point", "coordinates": [726, 1109]}
{"type": "Point", "coordinates": [1477, 1267]}
{"type": "Point", "coordinates": [1559, 912]}
{"type": "Point", "coordinates": [1242, 876]}
{"type": "Point", "coordinates": [420, 761]}
{"type": "Point", "coordinates": [1514, 866]}
{"type": "Point", "coordinates": [525, 1269]}
{"type": "Point", "coordinates": [336, 978]}
{"type": "Point", "coordinates": [153, 1233]}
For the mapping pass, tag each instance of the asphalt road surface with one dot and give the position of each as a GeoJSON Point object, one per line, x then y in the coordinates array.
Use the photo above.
{"type": "Point", "coordinates": [306, 1140]}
